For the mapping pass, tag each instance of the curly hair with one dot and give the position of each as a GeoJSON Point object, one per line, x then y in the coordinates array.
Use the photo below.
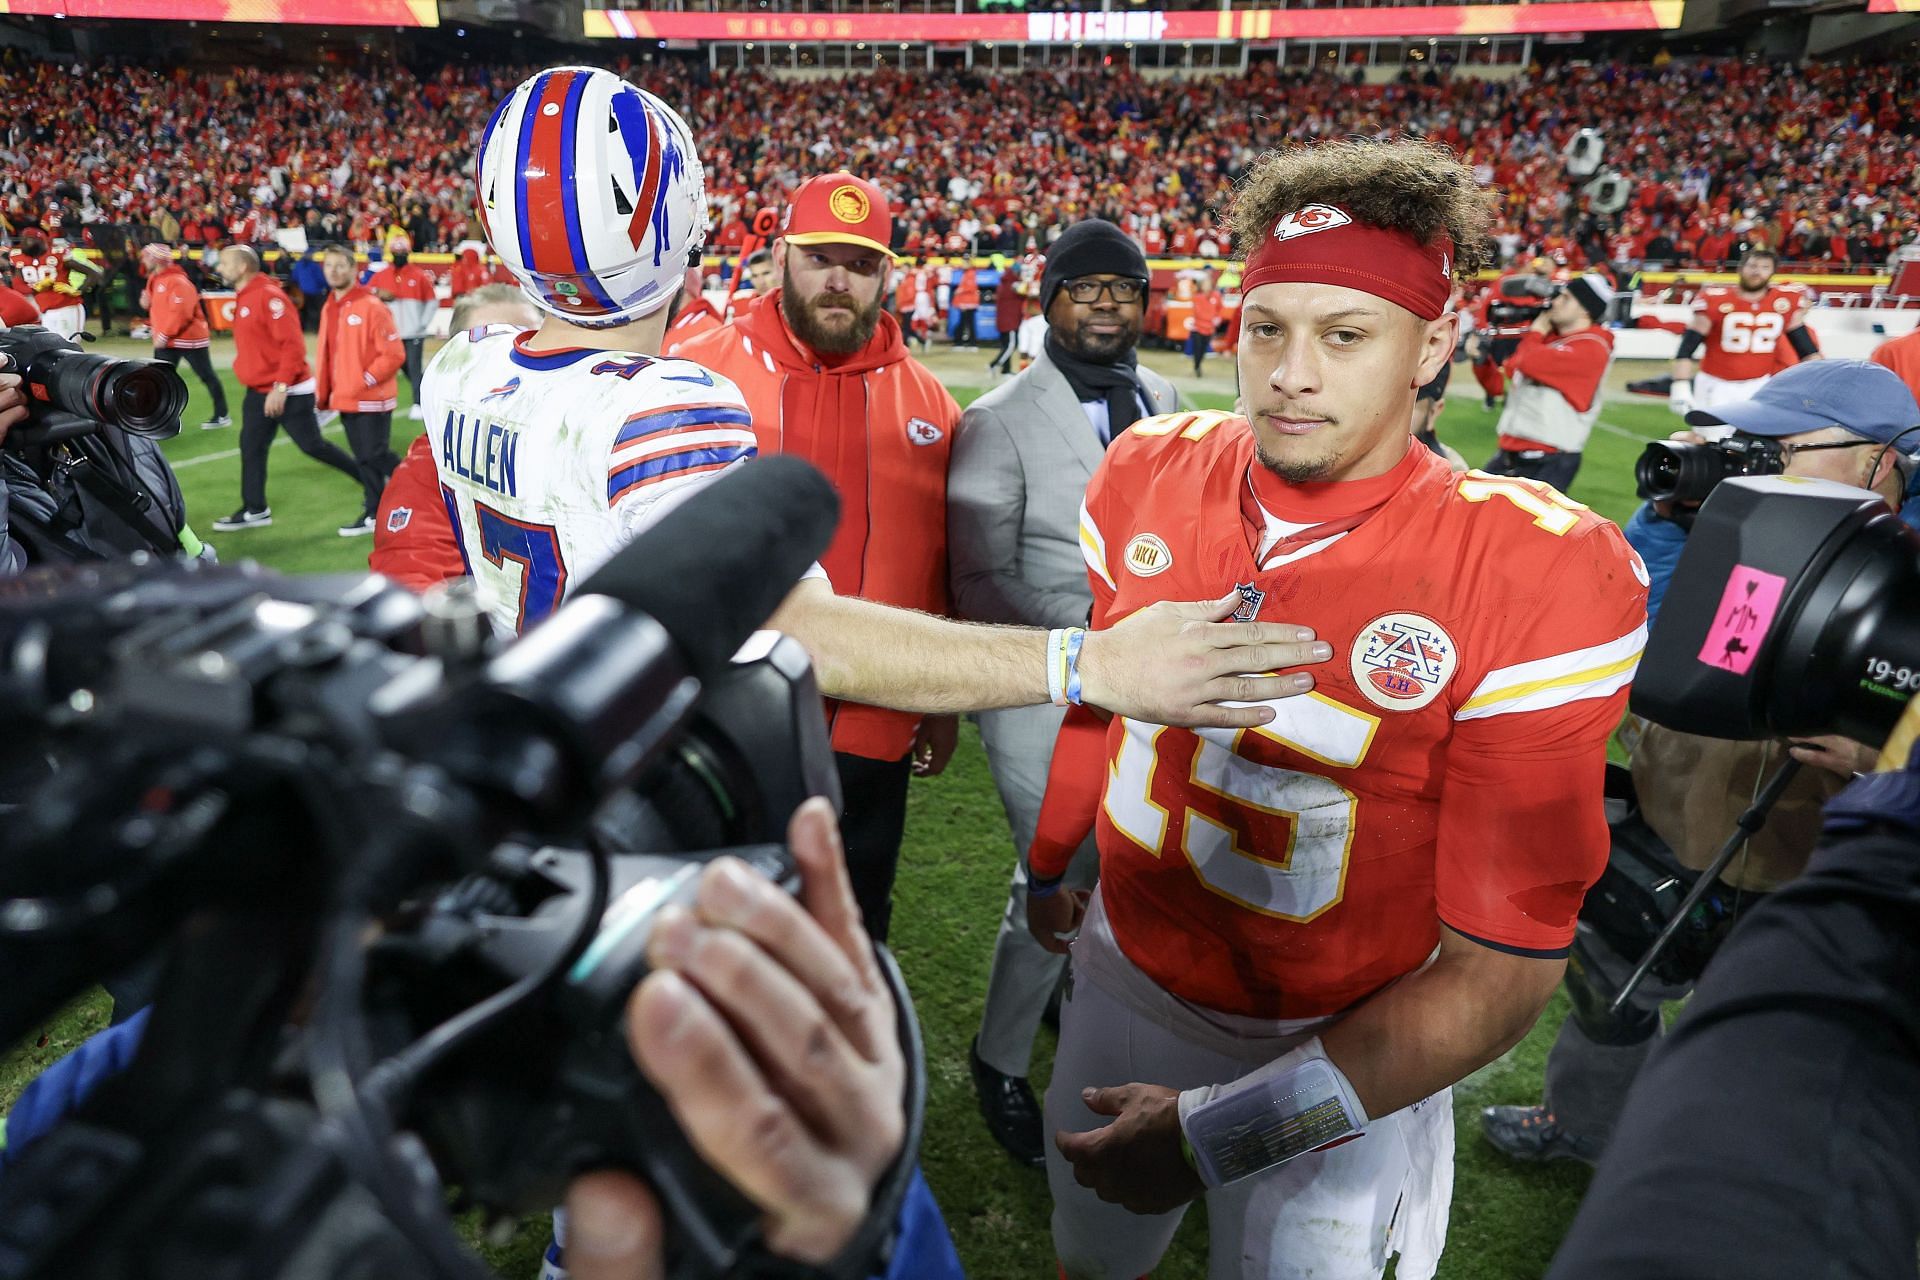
{"type": "Point", "coordinates": [1415, 187]}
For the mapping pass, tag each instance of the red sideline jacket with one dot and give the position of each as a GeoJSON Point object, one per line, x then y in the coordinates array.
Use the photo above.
{"type": "Point", "coordinates": [881, 427]}
{"type": "Point", "coordinates": [360, 354]}
{"type": "Point", "coordinates": [268, 346]}
{"type": "Point", "coordinates": [173, 310]}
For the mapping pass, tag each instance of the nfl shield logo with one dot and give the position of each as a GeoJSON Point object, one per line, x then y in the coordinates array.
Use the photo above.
{"type": "Point", "coordinates": [1250, 598]}
{"type": "Point", "coordinates": [399, 518]}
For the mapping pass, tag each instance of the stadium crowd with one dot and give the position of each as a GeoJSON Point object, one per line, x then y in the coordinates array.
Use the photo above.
{"type": "Point", "coordinates": [1816, 162]}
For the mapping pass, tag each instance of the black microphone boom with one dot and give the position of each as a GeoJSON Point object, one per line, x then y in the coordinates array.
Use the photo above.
{"type": "Point", "coordinates": [712, 569]}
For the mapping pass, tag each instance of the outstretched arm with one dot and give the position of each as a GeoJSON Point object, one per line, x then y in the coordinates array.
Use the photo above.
{"type": "Point", "coordinates": [1168, 664]}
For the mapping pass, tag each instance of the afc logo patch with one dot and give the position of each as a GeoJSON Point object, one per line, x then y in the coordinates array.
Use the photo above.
{"type": "Point", "coordinates": [922, 432]}
{"type": "Point", "coordinates": [1250, 601]}
{"type": "Point", "coordinates": [1401, 661]}
{"type": "Point", "coordinates": [399, 518]}
{"type": "Point", "coordinates": [1309, 219]}
{"type": "Point", "coordinates": [1147, 555]}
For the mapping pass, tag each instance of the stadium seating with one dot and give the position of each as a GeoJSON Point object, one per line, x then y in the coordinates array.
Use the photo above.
{"type": "Point", "coordinates": [1819, 162]}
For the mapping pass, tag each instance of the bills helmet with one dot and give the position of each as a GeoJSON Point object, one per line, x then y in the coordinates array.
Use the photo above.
{"type": "Point", "coordinates": [592, 194]}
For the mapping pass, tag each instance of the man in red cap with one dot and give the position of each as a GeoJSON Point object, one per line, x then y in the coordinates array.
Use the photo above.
{"type": "Point", "coordinates": [1305, 934]}
{"type": "Point", "coordinates": [827, 376]}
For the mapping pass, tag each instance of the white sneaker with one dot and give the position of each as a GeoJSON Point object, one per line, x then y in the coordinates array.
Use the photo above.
{"type": "Point", "coordinates": [139, 331]}
{"type": "Point", "coordinates": [244, 519]}
{"type": "Point", "coordinates": [364, 525]}
{"type": "Point", "coordinates": [418, 413]}
{"type": "Point", "coordinates": [216, 422]}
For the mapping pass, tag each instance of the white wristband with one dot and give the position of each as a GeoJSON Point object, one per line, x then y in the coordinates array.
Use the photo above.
{"type": "Point", "coordinates": [1297, 1103]}
{"type": "Point", "coordinates": [1057, 666]}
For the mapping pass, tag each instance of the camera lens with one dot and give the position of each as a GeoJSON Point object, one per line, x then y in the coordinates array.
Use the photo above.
{"type": "Point", "coordinates": [1660, 471]}
{"type": "Point", "coordinates": [141, 397]}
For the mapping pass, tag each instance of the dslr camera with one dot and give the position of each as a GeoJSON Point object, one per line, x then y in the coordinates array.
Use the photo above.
{"type": "Point", "coordinates": [1684, 474]}
{"type": "Point", "coordinates": [73, 393]}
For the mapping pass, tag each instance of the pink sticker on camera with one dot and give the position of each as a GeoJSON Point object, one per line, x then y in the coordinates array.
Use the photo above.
{"type": "Point", "coordinates": [1746, 611]}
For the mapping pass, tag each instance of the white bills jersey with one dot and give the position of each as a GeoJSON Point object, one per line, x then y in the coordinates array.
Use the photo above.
{"type": "Point", "coordinates": [550, 461]}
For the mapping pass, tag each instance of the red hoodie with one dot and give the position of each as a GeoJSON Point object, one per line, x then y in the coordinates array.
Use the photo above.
{"type": "Point", "coordinates": [881, 427]}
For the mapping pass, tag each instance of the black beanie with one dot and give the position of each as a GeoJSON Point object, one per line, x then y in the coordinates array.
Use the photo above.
{"type": "Point", "coordinates": [1092, 247]}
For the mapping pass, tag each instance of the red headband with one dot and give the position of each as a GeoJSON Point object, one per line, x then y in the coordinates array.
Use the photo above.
{"type": "Point", "coordinates": [1323, 244]}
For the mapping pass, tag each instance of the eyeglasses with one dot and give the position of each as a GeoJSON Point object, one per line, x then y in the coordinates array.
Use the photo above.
{"type": "Point", "coordinates": [1122, 291]}
{"type": "Point", "coordinates": [1788, 450]}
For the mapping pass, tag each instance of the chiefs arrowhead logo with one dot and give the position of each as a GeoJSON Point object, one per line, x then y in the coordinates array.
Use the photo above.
{"type": "Point", "coordinates": [1305, 221]}
{"type": "Point", "coordinates": [922, 432]}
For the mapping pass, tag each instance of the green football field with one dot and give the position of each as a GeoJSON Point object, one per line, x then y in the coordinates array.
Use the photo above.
{"type": "Point", "coordinates": [952, 885]}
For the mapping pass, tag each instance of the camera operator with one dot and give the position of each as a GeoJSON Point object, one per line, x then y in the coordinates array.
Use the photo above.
{"type": "Point", "coordinates": [1553, 393]}
{"type": "Point", "coordinates": [1692, 788]}
{"type": "Point", "coordinates": [13, 411]}
{"type": "Point", "coordinates": [110, 494]}
{"type": "Point", "coordinates": [1810, 1164]}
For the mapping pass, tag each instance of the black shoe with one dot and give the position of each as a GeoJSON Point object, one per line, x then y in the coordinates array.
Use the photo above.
{"type": "Point", "coordinates": [1533, 1134]}
{"type": "Point", "coordinates": [1010, 1110]}
{"type": "Point", "coordinates": [244, 519]}
{"type": "Point", "coordinates": [1491, 402]}
{"type": "Point", "coordinates": [358, 528]}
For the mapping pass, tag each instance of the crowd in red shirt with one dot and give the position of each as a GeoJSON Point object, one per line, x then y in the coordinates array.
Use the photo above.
{"type": "Point", "coordinates": [1818, 162]}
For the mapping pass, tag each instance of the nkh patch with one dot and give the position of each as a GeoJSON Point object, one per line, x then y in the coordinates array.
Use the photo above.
{"type": "Point", "coordinates": [399, 518]}
{"type": "Point", "coordinates": [1250, 600]}
{"type": "Point", "coordinates": [1401, 661]}
{"type": "Point", "coordinates": [1147, 555]}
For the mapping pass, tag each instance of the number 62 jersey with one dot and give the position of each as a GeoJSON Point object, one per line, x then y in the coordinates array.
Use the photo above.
{"type": "Point", "coordinates": [550, 461]}
{"type": "Point", "coordinates": [1446, 768]}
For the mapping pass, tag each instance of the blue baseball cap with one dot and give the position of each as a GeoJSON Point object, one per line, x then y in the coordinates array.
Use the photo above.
{"type": "Point", "coordinates": [1860, 396]}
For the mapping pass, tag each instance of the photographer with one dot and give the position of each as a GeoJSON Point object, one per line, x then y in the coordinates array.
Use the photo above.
{"type": "Point", "coordinates": [1809, 1165]}
{"type": "Point", "coordinates": [13, 411]}
{"type": "Point", "coordinates": [1692, 788]}
{"type": "Point", "coordinates": [101, 493]}
{"type": "Point", "coordinates": [1553, 396]}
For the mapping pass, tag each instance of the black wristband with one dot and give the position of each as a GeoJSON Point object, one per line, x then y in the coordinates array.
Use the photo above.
{"type": "Point", "coordinates": [1803, 344]}
{"type": "Point", "coordinates": [1690, 342]}
{"type": "Point", "coordinates": [1042, 886]}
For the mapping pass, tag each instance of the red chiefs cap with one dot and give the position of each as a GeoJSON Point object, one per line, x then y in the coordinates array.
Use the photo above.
{"type": "Point", "coordinates": [838, 208]}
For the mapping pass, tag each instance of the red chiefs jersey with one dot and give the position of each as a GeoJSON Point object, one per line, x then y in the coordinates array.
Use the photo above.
{"type": "Point", "coordinates": [1446, 768]}
{"type": "Point", "coordinates": [45, 276]}
{"type": "Point", "coordinates": [1744, 333]}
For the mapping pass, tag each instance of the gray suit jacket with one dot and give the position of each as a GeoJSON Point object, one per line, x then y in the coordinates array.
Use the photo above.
{"type": "Point", "coordinates": [1020, 466]}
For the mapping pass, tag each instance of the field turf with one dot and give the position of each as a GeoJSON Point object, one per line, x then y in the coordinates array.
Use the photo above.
{"type": "Point", "coordinates": [952, 886]}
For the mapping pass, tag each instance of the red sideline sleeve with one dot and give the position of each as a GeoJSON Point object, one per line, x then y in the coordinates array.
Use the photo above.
{"type": "Point", "coordinates": [1573, 365]}
{"type": "Point", "coordinates": [1523, 830]}
{"type": "Point", "coordinates": [390, 354]}
{"type": "Point", "coordinates": [290, 345]}
{"type": "Point", "coordinates": [423, 549]}
{"type": "Point", "coordinates": [1074, 782]}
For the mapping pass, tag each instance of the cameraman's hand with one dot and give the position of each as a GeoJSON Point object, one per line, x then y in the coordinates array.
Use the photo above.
{"type": "Point", "coordinates": [767, 1028]}
{"type": "Point", "coordinates": [13, 401]}
{"type": "Point", "coordinates": [1835, 754]}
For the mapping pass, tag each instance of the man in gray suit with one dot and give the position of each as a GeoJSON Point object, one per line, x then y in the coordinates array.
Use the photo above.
{"type": "Point", "coordinates": [1021, 462]}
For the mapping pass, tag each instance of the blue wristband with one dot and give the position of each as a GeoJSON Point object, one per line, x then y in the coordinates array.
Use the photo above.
{"type": "Point", "coordinates": [1038, 888]}
{"type": "Point", "coordinates": [1075, 638]}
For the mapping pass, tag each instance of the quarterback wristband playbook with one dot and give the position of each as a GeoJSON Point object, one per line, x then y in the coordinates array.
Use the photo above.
{"type": "Point", "coordinates": [1063, 664]}
{"type": "Point", "coordinates": [1300, 1102]}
